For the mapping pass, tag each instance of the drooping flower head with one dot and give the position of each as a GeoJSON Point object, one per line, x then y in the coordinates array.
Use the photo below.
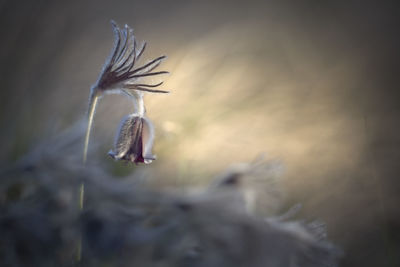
{"type": "Point", "coordinates": [134, 140]}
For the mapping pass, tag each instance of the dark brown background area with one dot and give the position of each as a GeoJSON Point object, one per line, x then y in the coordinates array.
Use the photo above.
{"type": "Point", "coordinates": [311, 83]}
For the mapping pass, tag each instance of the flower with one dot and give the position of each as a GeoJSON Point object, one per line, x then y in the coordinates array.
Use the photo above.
{"type": "Point", "coordinates": [119, 74]}
{"type": "Point", "coordinates": [134, 140]}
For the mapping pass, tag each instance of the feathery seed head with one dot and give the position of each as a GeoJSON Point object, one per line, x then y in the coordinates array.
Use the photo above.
{"type": "Point", "coordinates": [120, 72]}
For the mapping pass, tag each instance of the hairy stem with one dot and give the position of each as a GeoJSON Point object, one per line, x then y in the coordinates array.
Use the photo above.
{"type": "Point", "coordinates": [140, 108]}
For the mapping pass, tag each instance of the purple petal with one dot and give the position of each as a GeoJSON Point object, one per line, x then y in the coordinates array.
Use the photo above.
{"type": "Point", "coordinates": [126, 136]}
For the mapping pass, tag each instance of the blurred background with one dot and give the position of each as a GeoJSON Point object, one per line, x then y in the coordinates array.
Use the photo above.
{"type": "Point", "coordinates": [312, 84]}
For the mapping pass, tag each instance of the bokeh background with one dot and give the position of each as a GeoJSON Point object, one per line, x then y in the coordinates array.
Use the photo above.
{"type": "Point", "coordinates": [312, 84]}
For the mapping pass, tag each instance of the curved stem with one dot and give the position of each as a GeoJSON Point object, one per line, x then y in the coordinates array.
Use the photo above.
{"type": "Point", "coordinates": [138, 102]}
{"type": "Point", "coordinates": [92, 107]}
{"type": "Point", "coordinates": [93, 99]}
